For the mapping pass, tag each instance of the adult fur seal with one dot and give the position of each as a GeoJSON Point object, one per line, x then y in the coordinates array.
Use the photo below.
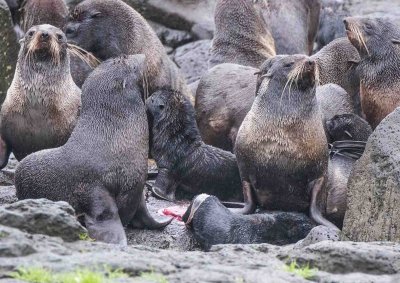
{"type": "Point", "coordinates": [102, 169]}
{"type": "Point", "coordinates": [242, 36]}
{"type": "Point", "coordinates": [109, 28]}
{"type": "Point", "coordinates": [212, 224]}
{"type": "Point", "coordinates": [183, 159]}
{"type": "Point", "coordinates": [281, 146]}
{"type": "Point", "coordinates": [42, 103]}
{"type": "Point", "coordinates": [226, 92]}
{"type": "Point", "coordinates": [378, 42]}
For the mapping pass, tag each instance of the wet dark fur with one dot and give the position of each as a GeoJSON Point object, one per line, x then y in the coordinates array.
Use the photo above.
{"type": "Point", "coordinates": [43, 102]}
{"type": "Point", "coordinates": [242, 36]}
{"type": "Point", "coordinates": [348, 127]}
{"type": "Point", "coordinates": [110, 28]}
{"type": "Point", "coordinates": [102, 168]}
{"type": "Point", "coordinates": [379, 68]}
{"type": "Point", "coordinates": [214, 224]}
{"type": "Point", "coordinates": [281, 145]}
{"type": "Point", "coordinates": [184, 161]}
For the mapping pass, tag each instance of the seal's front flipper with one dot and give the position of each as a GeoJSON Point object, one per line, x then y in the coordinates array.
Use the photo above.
{"type": "Point", "coordinates": [143, 218]}
{"type": "Point", "coordinates": [165, 185]}
{"type": "Point", "coordinates": [5, 151]}
{"type": "Point", "coordinates": [249, 205]}
{"type": "Point", "coordinates": [102, 220]}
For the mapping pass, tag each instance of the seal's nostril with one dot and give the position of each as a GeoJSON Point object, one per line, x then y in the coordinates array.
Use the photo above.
{"type": "Point", "coordinates": [45, 35]}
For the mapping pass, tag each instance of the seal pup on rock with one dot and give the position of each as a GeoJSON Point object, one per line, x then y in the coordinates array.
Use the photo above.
{"type": "Point", "coordinates": [43, 102]}
{"type": "Point", "coordinates": [242, 36]}
{"type": "Point", "coordinates": [281, 146]}
{"type": "Point", "coordinates": [102, 169]}
{"type": "Point", "coordinates": [347, 127]}
{"type": "Point", "coordinates": [378, 43]}
{"type": "Point", "coordinates": [183, 159]}
{"type": "Point", "coordinates": [110, 28]}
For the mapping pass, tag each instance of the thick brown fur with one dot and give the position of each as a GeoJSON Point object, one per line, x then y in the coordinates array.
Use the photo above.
{"type": "Point", "coordinates": [102, 169]}
{"type": "Point", "coordinates": [110, 28]}
{"type": "Point", "coordinates": [378, 43]}
{"type": "Point", "coordinates": [43, 102]}
{"type": "Point", "coordinates": [242, 36]}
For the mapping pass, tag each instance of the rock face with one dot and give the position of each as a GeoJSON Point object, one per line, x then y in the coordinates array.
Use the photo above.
{"type": "Point", "coordinates": [373, 189]}
{"type": "Point", "coordinates": [41, 216]}
{"type": "Point", "coordinates": [8, 50]}
{"type": "Point", "coordinates": [192, 59]}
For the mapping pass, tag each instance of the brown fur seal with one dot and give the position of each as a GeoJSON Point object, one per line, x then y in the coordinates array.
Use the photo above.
{"type": "Point", "coordinates": [241, 36]}
{"type": "Point", "coordinates": [378, 42]}
{"type": "Point", "coordinates": [281, 146]}
{"type": "Point", "coordinates": [294, 24]}
{"type": "Point", "coordinates": [226, 92]}
{"type": "Point", "coordinates": [102, 169]}
{"type": "Point", "coordinates": [43, 102]}
{"type": "Point", "coordinates": [37, 12]}
{"type": "Point", "coordinates": [183, 159]}
{"type": "Point", "coordinates": [109, 28]}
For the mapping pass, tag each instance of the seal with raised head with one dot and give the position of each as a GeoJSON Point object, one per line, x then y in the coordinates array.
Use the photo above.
{"type": "Point", "coordinates": [378, 43]}
{"type": "Point", "coordinates": [110, 28]}
{"type": "Point", "coordinates": [242, 36]}
{"type": "Point", "coordinates": [43, 102]}
{"type": "Point", "coordinates": [281, 146]}
{"type": "Point", "coordinates": [184, 161]}
{"type": "Point", "coordinates": [102, 169]}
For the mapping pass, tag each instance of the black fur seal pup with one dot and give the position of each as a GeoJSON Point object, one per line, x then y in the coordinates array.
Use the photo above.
{"type": "Point", "coordinates": [281, 147]}
{"type": "Point", "coordinates": [102, 169]}
{"type": "Point", "coordinates": [378, 43]}
{"type": "Point", "coordinates": [43, 102]}
{"type": "Point", "coordinates": [183, 159]}
{"type": "Point", "coordinates": [110, 28]}
{"type": "Point", "coordinates": [212, 223]}
{"type": "Point", "coordinates": [347, 127]}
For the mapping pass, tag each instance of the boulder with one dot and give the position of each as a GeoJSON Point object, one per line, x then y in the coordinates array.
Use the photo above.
{"type": "Point", "coordinates": [318, 234]}
{"type": "Point", "coordinates": [8, 49]}
{"type": "Point", "coordinates": [171, 37]}
{"type": "Point", "coordinates": [42, 216]}
{"type": "Point", "coordinates": [374, 187]}
{"type": "Point", "coordinates": [192, 59]}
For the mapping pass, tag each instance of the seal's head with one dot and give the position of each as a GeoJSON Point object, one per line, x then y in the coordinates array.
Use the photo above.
{"type": "Point", "coordinates": [372, 36]}
{"type": "Point", "coordinates": [44, 43]}
{"type": "Point", "coordinates": [287, 73]}
{"type": "Point", "coordinates": [348, 127]}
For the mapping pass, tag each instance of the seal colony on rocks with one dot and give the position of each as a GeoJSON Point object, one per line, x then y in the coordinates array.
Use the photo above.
{"type": "Point", "coordinates": [281, 146]}
{"type": "Point", "coordinates": [183, 160]}
{"type": "Point", "coordinates": [43, 102]}
{"type": "Point", "coordinates": [378, 43]}
{"type": "Point", "coordinates": [110, 28]}
{"type": "Point", "coordinates": [102, 169]}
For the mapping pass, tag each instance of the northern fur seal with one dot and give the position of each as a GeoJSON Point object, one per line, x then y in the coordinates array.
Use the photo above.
{"type": "Point", "coordinates": [43, 102]}
{"type": "Point", "coordinates": [110, 28]}
{"type": "Point", "coordinates": [242, 36]}
{"type": "Point", "coordinates": [348, 127]}
{"type": "Point", "coordinates": [102, 169]}
{"type": "Point", "coordinates": [281, 146]}
{"type": "Point", "coordinates": [184, 161]}
{"type": "Point", "coordinates": [378, 43]}
{"type": "Point", "coordinates": [227, 91]}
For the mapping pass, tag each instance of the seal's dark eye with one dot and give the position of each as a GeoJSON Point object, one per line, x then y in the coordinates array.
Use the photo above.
{"type": "Point", "coordinates": [59, 36]}
{"type": "Point", "coordinates": [95, 15]}
{"type": "Point", "coordinates": [289, 65]}
{"type": "Point", "coordinates": [368, 26]}
{"type": "Point", "coordinates": [31, 33]}
{"type": "Point", "coordinates": [161, 107]}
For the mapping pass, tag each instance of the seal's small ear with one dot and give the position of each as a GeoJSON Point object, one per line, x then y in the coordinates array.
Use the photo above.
{"type": "Point", "coordinates": [21, 41]}
{"type": "Point", "coordinates": [95, 14]}
{"type": "Point", "coordinates": [395, 41]}
{"type": "Point", "coordinates": [258, 73]}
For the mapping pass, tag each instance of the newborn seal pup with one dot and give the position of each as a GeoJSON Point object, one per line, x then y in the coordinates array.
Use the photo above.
{"type": "Point", "coordinates": [378, 43]}
{"type": "Point", "coordinates": [183, 159]}
{"type": "Point", "coordinates": [110, 28]}
{"type": "Point", "coordinates": [347, 127]}
{"type": "Point", "coordinates": [102, 169]}
{"type": "Point", "coordinates": [242, 35]}
{"type": "Point", "coordinates": [42, 103]}
{"type": "Point", "coordinates": [281, 146]}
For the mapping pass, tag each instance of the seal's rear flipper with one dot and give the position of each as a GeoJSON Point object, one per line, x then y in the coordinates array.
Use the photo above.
{"type": "Point", "coordinates": [249, 205]}
{"type": "Point", "coordinates": [5, 151]}
{"type": "Point", "coordinates": [165, 185]}
{"type": "Point", "coordinates": [143, 218]}
{"type": "Point", "coordinates": [102, 221]}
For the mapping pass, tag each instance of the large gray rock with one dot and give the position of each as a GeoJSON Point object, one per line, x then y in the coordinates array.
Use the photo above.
{"type": "Point", "coordinates": [318, 234]}
{"type": "Point", "coordinates": [171, 37]}
{"type": "Point", "coordinates": [374, 187]}
{"type": "Point", "coordinates": [8, 50]}
{"type": "Point", "coordinates": [42, 216]}
{"type": "Point", "coordinates": [192, 59]}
